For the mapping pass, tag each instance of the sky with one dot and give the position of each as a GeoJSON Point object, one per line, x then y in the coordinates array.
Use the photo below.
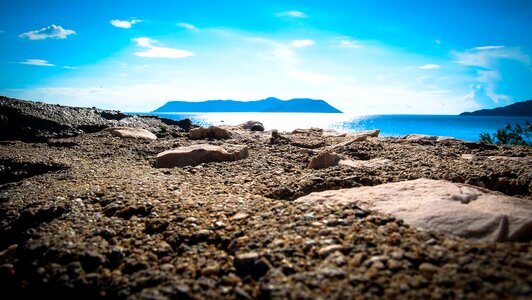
{"type": "Point", "coordinates": [361, 56]}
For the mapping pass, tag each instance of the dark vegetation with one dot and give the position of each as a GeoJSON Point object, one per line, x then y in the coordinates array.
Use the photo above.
{"type": "Point", "coordinates": [517, 135]}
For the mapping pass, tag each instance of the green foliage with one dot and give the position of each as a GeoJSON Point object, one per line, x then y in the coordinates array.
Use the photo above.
{"type": "Point", "coordinates": [509, 135]}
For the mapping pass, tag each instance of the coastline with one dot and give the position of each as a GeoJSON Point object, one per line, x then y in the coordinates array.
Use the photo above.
{"type": "Point", "coordinates": [90, 216]}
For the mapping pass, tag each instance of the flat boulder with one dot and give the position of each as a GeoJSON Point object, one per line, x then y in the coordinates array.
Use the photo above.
{"type": "Point", "coordinates": [130, 132]}
{"type": "Point", "coordinates": [211, 132]}
{"type": "Point", "coordinates": [437, 205]}
{"type": "Point", "coordinates": [197, 154]}
{"type": "Point", "coordinates": [375, 163]}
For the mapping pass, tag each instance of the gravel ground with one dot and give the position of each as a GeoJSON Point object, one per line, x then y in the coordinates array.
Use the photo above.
{"type": "Point", "coordinates": [90, 217]}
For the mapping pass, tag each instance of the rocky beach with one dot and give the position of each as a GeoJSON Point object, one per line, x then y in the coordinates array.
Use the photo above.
{"type": "Point", "coordinates": [97, 204]}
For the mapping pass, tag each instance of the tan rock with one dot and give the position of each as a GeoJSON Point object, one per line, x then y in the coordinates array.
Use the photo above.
{"type": "Point", "coordinates": [460, 209]}
{"type": "Point", "coordinates": [368, 164]}
{"type": "Point", "coordinates": [197, 154]}
{"type": "Point", "coordinates": [211, 132]}
{"type": "Point", "coordinates": [324, 160]}
{"type": "Point", "coordinates": [357, 137]}
{"type": "Point", "coordinates": [130, 132]}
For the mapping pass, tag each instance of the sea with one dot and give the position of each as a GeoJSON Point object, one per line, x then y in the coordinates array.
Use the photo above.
{"type": "Point", "coordinates": [466, 128]}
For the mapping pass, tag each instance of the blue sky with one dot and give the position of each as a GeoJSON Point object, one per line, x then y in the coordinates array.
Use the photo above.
{"type": "Point", "coordinates": [364, 57]}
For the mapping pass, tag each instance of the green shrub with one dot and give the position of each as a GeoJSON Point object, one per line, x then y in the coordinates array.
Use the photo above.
{"type": "Point", "coordinates": [509, 135]}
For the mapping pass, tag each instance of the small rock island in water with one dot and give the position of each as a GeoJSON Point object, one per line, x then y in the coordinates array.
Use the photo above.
{"type": "Point", "coordinates": [99, 204]}
{"type": "Point", "coordinates": [272, 105]}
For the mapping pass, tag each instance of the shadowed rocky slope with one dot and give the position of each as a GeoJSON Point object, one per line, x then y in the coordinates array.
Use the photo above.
{"type": "Point", "coordinates": [35, 121]}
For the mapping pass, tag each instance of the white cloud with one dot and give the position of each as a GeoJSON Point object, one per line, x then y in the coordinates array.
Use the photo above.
{"type": "Point", "coordinates": [486, 60]}
{"type": "Point", "coordinates": [70, 67]}
{"type": "Point", "coordinates": [187, 26]}
{"type": "Point", "coordinates": [159, 52]}
{"type": "Point", "coordinates": [292, 13]}
{"type": "Point", "coordinates": [124, 23]}
{"type": "Point", "coordinates": [488, 47]}
{"type": "Point", "coordinates": [429, 66]}
{"type": "Point", "coordinates": [350, 44]}
{"type": "Point", "coordinates": [302, 43]}
{"type": "Point", "coordinates": [52, 31]}
{"type": "Point", "coordinates": [37, 62]}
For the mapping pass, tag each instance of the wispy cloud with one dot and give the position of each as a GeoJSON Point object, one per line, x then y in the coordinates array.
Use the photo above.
{"type": "Point", "coordinates": [302, 43]}
{"type": "Point", "coordinates": [37, 62]}
{"type": "Point", "coordinates": [53, 31]}
{"type": "Point", "coordinates": [350, 44]}
{"type": "Point", "coordinates": [70, 67]}
{"type": "Point", "coordinates": [486, 62]}
{"type": "Point", "coordinates": [187, 26]}
{"type": "Point", "coordinates": [292, 13]}
{"type": "Point", "coordinates": [124, 23]}
{"type": "Point", "coordinates": [159, 52]}
{"type": "Point", "coordinates": [429, 66]}
{"type": "Point", "coordinates": [488, 47]}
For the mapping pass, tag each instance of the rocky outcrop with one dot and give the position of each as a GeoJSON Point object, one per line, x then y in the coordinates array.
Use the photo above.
{"type": "Point", "coordinates": [437, 205]}
{"type": "Point", "coordinates": [38, 122]}
{"type": "Point", "coordinates": [211, 132]}
{"type": "Point", "coordinates": [197, 154]}
{"type": "Point", "coordinates": [134, 133]}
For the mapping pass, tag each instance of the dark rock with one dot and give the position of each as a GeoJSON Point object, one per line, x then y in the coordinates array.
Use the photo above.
{"type": "Point", "coordinates": [37, 122]}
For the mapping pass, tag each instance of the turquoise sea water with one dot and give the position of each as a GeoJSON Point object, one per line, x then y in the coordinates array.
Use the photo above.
{"type": "Point", "coordinates": [462, 127]}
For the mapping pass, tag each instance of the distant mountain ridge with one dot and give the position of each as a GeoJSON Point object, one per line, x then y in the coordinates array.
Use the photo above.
{"type": "Point", "coordinates": [298, 105]}
{"type": "Point", "coordinates": [518, 109]}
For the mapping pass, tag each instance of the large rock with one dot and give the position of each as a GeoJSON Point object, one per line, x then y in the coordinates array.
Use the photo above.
{"type": "Point", "coordinates": [460, 209]}
{"type": "Point", "coordinates": [253, 126]}
{"type": "Point", "coordinates": [211, 132]}
{"type": "Point", "coordinates": [135, 133]}
{"type": "Point", "coordinates": [324, 160]}
{"type": "Point", "coordinates": [197, 154]}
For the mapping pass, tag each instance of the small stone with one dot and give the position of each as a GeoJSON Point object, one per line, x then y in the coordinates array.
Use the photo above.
{"type": "Point", "coordinates": [324, 251]}
{"type": "Point", "coordinates": [251, 263]}
{"type": "Point", "coordinates": [239, 216]}
{"type": "Point", "coordinates": [428, 268]}
{"type": "Point", "coordinates": [211, 270]}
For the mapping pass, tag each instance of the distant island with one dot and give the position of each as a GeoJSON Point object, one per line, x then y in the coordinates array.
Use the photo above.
{"type": "Point", "coordinates": [518, 109]}
{"type": "Point", "coordinates": [271, 105]}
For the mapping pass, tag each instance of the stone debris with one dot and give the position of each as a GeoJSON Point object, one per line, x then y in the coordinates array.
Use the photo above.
{"type": "Point", "coordinates": [129, 132]}
{"type": "Point", "coordinates": [198, 154]}
{"type": "Point", "coordinates": [437, 205]}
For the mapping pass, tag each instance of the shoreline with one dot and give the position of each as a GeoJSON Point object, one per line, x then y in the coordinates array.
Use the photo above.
{"type": "Point", "coordinates": [91, 216]}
